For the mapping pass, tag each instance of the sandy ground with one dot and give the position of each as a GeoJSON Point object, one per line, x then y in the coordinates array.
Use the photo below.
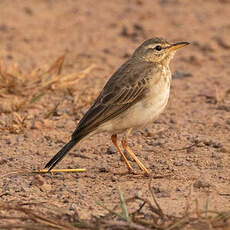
{"type": "Point", "coordinates": [187, 149]}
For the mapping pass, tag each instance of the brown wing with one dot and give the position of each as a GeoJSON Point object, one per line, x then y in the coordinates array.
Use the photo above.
{"type": "Point", "coordinates": [125, 88]}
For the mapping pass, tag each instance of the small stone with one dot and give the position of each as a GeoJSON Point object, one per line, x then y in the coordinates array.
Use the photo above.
{"type": "Point", "coordinates": [194, 60]}
{"type": "Point", "coordinates": [3, 161]}
{"type": "Point", "coordinates": [103, 170]}
{"type": "Point", "coordinates": [216, 155]}
{"type": "Point", "coordinates": [111, 150]}
{"type": "Point", "coordinates": [179, 75]}
{"type": "Point", "coordinates": [172, 121]}
{"type": "Point", "coordinates": [138, 193]}
{"type": "Point", "coordinates": [225, 148]}
{"type": "Point", "coordinates": [126, 55]}
{"type": "Point", "coordinates": [8, 141]}
{"type": "Point", "coordinates": [46, 187]}
{"type": "Point", "coordinates": [159, 143]}
{"type": "Point", "coordinates": [149, 133]}
{"type": "Point", "coordinates": [48, 123]}
{"type": "Point", "coordinates": [37, 153]}
{"type": "Point", "coordinates": [224, 107]}
{"type": "Point", "coordinates": [217, 145]}
{"type": "Point", "coordinates": [161, 192]}
{"type": "Point", "coordinates": [40, 182]}
{"type": "Point", "coordinates": [113, 178]}
{"type": "Point", "coordinates": [201, 183]}
{"type": "Point", "coordinates": [9, 57]}
{"type": "Point", "coordinates": [28, 11]}
{"type": "Point", "coordinates": [223, 41]}
{"type": "Point", "coordinates": [178, 163]}
{"type": "Point", "coordinates": [106, 51]}
{"type": "Point", "coordinates": [5, 107]}
{"type": "Point", "coordinates": [3, 28]}
{"type": "Point", "coordinates": [200, 144]}
{"type": "Point", "coordinates": [212, 144]}
{"type": "Point", "coordinates": [36, 125]}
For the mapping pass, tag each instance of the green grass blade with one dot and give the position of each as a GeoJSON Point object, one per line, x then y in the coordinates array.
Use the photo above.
{"type": "Point", "coordinates": [125, 213]}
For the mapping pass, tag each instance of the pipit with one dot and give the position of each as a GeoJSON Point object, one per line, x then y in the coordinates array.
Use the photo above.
{"type": "Point", "coordinates": [133, 97]}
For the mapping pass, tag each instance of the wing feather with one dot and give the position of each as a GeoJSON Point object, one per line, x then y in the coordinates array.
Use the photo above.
{"type": "Point", "coordinates": [124, 89]}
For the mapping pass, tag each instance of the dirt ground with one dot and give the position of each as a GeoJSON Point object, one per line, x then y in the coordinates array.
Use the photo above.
{"type": "Point", "coordinates": [187, 149]}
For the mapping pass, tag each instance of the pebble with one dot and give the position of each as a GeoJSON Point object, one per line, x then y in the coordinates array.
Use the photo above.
{"type": "Point", "coordinates": [194, 60]}
{"type": "Point", "coordinates": [111, 150]}
{"type": "Point", "coordinates": [179, 75]}
{"type": "Point", "coordinates": [202, 183]}
{"type": "Point", "coordinates": [8, 141]}
{"type": "Point", "coordinates": [40, 182]}
{"type": "Point", "coordinates": [113, 178]}
{"type": "Point", "coordinates": [161, 192]}
{"type": "Point", "coordinates": [225, 148]}
{"type": "Point", "coordinates": [3, 161]}
{"type": "Point", "coordinates": [178, 163]}
{"type": "Point", "coordinates": [103, 168]}
{"type": "Point", "coordinates": [223, 41]}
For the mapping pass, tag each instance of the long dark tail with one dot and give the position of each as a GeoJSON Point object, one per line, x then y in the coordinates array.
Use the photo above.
{"type": "Point", "coordinates": [58, 157]}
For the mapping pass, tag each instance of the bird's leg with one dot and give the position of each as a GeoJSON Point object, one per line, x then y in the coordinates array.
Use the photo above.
{"type": "Point", "coordinates": [114, 140]}
{"type": "Point", "coordinates": [130, 152]}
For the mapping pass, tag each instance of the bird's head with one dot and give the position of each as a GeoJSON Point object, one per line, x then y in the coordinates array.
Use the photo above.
{"type": "Point", "coordinates": [157, 50]}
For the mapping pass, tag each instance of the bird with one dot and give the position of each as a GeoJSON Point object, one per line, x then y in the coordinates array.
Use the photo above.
{"type": "Point", "coordinates": [134, 96]}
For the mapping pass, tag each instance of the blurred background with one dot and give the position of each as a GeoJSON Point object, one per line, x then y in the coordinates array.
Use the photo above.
{"type": "Point", "coordinates": [55, 57]}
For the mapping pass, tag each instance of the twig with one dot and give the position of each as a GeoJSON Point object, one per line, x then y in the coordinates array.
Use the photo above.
{"type": "Point", "coordinates": [58, 170]}
{"type": "Point", "coordinates": [178, 223]}
{"type": "Point", "coordinates": [139, 209]}
{"type": "Point", "coordinates": [126, 225]}
{"type": "Point", "coordinates": [4, 194]}
{"type": "Point", "coordinates": [206, 206]}
{"type": "Point", "coordinates": [184, 148]}
{"type": "Point", "coordinates": [155, 201]}
{"type": "Point", "coordinates": [27, 172]}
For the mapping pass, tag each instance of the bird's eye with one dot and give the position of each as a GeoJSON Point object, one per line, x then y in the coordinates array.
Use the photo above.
{"type": "Point", "coordinates": [158, 48]}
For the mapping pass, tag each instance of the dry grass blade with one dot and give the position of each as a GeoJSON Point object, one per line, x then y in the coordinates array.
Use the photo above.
{"type": "Point", "coordinates": [110, 211]}
{"type": "Point", "coordinates": [48, 216]}
{"type": "Point", "coordinates": [18, 83]}
{"type": "Point", "coordinates": [19, 172]}
{"type": "Point", "coordinates": [68, 80]}
{"type": "Point", "coordinates": [155, 201]}
{"type": "Point", "coordinates": [52, 111]}
{"type": "Point", "coordinates": [188, 200]}
{"type": "Point", "coordinates": [115, 224]}
{"type": "Point", "coordinates": [56, 67]}
{"type": "Point", "coordinates": [33, 226]}
{"type": "Point", "coordinates": [154, 210]}
{"type": "Point", "coordinates": [221, 219]}
{"type": "Point", "coordinates": [17, 124]}
{"type": "Point", "coordinates": [37, 217]}
{"type": "Point", "coordinates": [29, 172]}
{"type": "Point", "coordinates": [58, 170]}
{"type": "Point", "coordinates": [206, 206]}
{"type": "Point", "coordinates": [177, 224]}
{"type": "Point", "coordinates": [20, 90]}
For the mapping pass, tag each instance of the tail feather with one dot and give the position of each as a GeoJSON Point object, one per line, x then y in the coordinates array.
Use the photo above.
{"type": "Point", "coordinates": [58, 157]}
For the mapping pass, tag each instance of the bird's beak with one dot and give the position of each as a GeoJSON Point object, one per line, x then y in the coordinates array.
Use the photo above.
{"type": "Point", "coordinates": [178, 45]}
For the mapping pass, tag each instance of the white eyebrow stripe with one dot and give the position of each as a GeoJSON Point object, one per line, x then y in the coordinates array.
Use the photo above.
{"type": "Point", "coordinates": [153, 46]}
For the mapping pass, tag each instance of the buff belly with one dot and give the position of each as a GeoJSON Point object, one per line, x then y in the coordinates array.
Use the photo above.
{"type": "Point", "coordinates": [140, 114]}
